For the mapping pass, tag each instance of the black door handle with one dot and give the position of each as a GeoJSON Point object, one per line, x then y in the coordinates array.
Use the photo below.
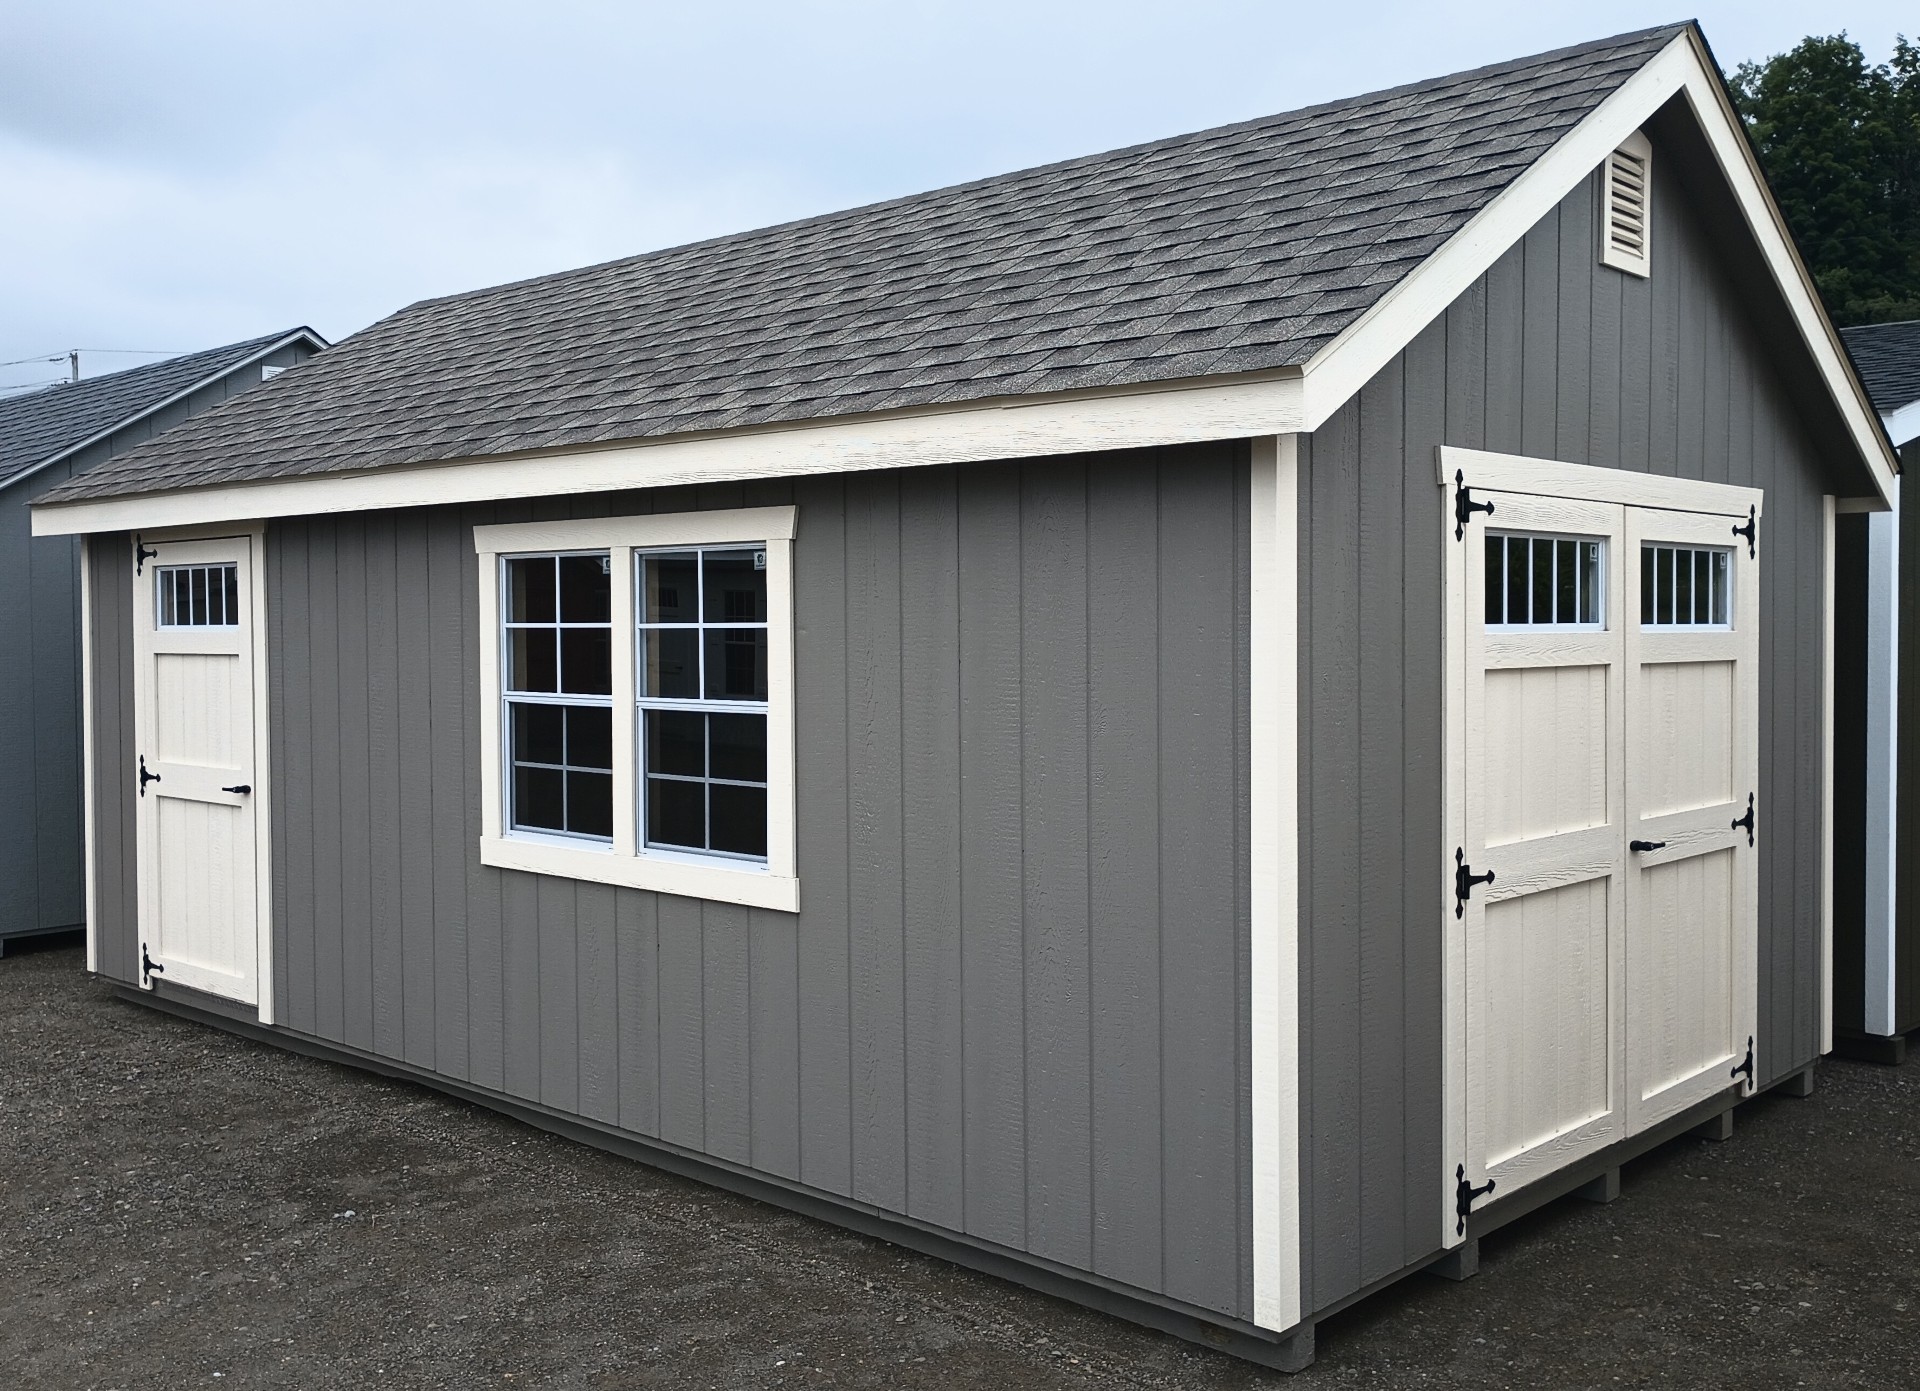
{"type": "Point", "coordinates": [241, 788]}
{"type": "Point", "coordinates": [1645, 845]}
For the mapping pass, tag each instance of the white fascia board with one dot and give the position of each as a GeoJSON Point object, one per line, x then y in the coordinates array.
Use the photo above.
{"type": "Point", "coordinates": [201, 385]}
{"type": "Point", "coordinates": [1903, 426]}
{"type": "Point", "coordinates": [1012, 428]}
{"type": "Point", "coordinates": [1338, 371]}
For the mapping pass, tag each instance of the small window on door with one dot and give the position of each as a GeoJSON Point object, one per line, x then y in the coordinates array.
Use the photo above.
{"type": "Point", "coordinates": [1686, 587]}
{"type": "Point", "coordinates": [1536, 582]}
{"type": "Point", "coordinates": [197, 596]}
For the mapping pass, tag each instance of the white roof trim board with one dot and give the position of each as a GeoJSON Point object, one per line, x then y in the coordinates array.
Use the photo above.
{"type": "Point", "coordinates": [1903, 426]}
{"type": "Point", "coordinates": [1280, 401]}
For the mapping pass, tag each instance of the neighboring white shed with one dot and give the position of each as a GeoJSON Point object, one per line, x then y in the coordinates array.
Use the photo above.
{"type": "Point", "coordinates": [47, 437]}
{"type": "Point", "coordinates": [1877, 928]}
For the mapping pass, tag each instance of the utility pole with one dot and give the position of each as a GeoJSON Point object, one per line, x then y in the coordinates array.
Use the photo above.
{"type": "Point", "coordinates": [73, 363]}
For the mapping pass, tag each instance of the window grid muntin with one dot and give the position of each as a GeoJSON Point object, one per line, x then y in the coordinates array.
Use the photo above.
{"type": "Point", "coordinates": [702, 704]}
{"type": "Point", "coordinates": [1589, 604]}
{"type": "Point", "coordinates": [1661, 585]}
{"type": "Point", "coordinates": [511, 696]}
{"type": "Point", "coordinates": [565, 767]}
{"type": "Point", "coordinates": [206, 604]}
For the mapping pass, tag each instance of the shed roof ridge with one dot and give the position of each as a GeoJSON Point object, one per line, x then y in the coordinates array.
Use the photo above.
{"type": "Point", "coordinates": [1010, 177]}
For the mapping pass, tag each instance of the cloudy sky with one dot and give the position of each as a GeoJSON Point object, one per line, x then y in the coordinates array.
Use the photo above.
{"type": "Point", "coordinates": [182, 173]}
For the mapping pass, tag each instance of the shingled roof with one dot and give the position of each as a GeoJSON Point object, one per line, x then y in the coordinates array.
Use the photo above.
{"type": "Point", "coordinates": [1888, 358]}
{"type": "Point", "coordinates": [38, 427]}
{"type": "Point", "coordinates": [1234, 250]}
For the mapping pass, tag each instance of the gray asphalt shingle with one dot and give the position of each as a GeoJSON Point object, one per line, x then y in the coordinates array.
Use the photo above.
{"type": "Point", "coordinates": [36, 426]}
{"type": "Point", "coordinates": [1244, 248]}
{"type": "Point", "coordinates": [1888, 357]}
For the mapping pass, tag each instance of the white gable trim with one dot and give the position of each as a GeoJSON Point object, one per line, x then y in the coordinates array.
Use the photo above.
{"type": "Point", "coordinates": [301, 336]}
{"type": "Point", "coordinates": [1346, 364]}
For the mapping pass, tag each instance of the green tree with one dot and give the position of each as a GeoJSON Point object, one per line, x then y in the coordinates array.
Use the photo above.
{"type": "Point", "coordinates": [1840, 141]}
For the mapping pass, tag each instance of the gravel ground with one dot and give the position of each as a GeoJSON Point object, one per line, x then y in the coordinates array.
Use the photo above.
{"type": "Point", "coordinates": [185, 1208]}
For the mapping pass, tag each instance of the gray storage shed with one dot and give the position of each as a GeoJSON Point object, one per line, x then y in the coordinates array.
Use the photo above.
{"type": "Point", "coordinates": [47, 437]}
{"type": "Point", "coordinates": [1195, 727]}
{"type": "Point", "coordinates": [1877, 682]}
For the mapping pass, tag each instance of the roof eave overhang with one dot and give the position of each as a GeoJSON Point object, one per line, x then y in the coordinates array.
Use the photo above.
{"type": "Point", "coordinates": [1081, 422]}
{"type": "Point", "coordinates": [1682, 69]}
{"type": "Point", "coordinates": [301, 335]}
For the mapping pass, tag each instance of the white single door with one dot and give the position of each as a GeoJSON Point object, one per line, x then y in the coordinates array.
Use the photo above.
{"type": "Point", "coordinates": [1692, 778]}
{"type": "Point", "coordinates": [196, 765]}
{"type": "Point", "coordinates": [1545, 934]}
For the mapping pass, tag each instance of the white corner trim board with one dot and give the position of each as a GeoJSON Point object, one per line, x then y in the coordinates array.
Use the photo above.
{"type": "Point", "coordinates": [1883, 751]}
{"type": "Point", "coordinates": [1014, 428]}
{"type": "Point", "coordinates": [1275, 841]}
{"type": "Point", "coordinates": [89, 803]}
{"type": "Point", "coordinates": [1346, 364]}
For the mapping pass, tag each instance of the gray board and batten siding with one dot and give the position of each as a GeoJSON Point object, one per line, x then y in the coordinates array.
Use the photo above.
{"type": "Point", "coordinates": [1553, 356]}
{"type": "Point", "coordinates": [41, 841]}
{"type": "Point", "coordinates": [1014, 1004]}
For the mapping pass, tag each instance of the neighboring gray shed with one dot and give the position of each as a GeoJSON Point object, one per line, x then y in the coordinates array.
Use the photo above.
{"type": "Point", "coordinates": [1195, 728]}
{"type": "Point", "coordinates": [1877, 925]}
{"type": "Point", "coordinates": [47, 437]}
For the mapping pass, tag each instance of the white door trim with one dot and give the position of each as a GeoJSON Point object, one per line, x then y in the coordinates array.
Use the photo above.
{"type": "Point", "coordinates": [1274, 836]}
{"type": "Point", "coordinates": [262, 793]}
{"type": "Point", "coordinates": [1482, 470]}
{"type": "Point", "coordinates": [1883, 748]}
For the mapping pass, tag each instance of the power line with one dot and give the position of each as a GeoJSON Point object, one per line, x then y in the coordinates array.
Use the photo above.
{"type": "Point", "coordinates": [21, 361]}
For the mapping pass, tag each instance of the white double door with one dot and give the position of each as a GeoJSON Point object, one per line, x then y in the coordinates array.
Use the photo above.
{"type": "Point", "coordinates": [1610, 747]}
{"type": "Point", "coordinates": [197, 771]}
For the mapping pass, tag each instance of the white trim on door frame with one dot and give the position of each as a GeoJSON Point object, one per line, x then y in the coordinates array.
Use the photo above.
{"type": "Point", "coordinates": [1274, 839]}
{"type": "Point", "coordinates": [1547, 478]}
{"type": "Point", "coordinates": [261, 796]}
{"type": "Point", "coordinates": [88, 802]}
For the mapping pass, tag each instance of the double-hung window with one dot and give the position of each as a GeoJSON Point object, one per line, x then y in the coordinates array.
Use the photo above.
{"type": "Point", "coordinates": [638, 711]}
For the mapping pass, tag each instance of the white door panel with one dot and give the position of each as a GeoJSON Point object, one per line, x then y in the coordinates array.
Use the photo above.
{"type": "Point", "coordinates": [1544, 940]}
{"type": "Point", "coordinates": [1692, 763]}
{"type": "Point", "coordinates": [1604, 896]}
{"type": "Point", "coordinates": [198, 771]}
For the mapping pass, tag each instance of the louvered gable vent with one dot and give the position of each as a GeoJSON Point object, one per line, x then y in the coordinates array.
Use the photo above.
{"type": "Point", "coordinates": [1627, 213]}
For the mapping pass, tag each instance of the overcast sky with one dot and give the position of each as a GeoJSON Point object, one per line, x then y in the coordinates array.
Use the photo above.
{"type": "Point", "coordinates": [179, 175]}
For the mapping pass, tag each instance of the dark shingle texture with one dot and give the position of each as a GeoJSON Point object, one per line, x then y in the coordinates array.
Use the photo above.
{"type": "Point", "coordinates": [1888, 356]}
{"type": "Point", "coordinates": [1233, 250]}
{"type": "Point", "coordinates": [36, 426]}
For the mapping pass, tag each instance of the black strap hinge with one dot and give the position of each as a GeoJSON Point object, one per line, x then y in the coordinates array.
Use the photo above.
{"type": "Point", "coordinates": [1751, 531]}
{"type": "Point", "coordinates": [1464, 1196]}
{"type": "Point", "coordinates": [148, 966]}
{"type": "Point", "coordinates": [1463, 881]}
{"type": "Point", "coordinates": [145, 776]}
{"type": "Point", "coordinates": [1745, 1065]}
{"type": "Point", "coordinates": [1464, 506]}
{"type": "Point", "coordinates": [1746, 821]}
{"type": "Point", "coordinates": [140, 554]}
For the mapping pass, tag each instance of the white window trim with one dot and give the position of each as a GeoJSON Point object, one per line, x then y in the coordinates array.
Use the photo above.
{"type": "Point", "coordinates": [775, 884]}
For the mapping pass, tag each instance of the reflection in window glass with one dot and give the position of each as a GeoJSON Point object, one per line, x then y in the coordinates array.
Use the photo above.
{"type": "Point", "coordinates": [702, 689]}
{"type": "Point", "coordinates": [1542, 581]}
{"type": "Point", "coordinates": [198, 596]}
{"type": "Point", "coordinates": [557, 622]}
{"type": "Point", "coordinates": [1686, 586]}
